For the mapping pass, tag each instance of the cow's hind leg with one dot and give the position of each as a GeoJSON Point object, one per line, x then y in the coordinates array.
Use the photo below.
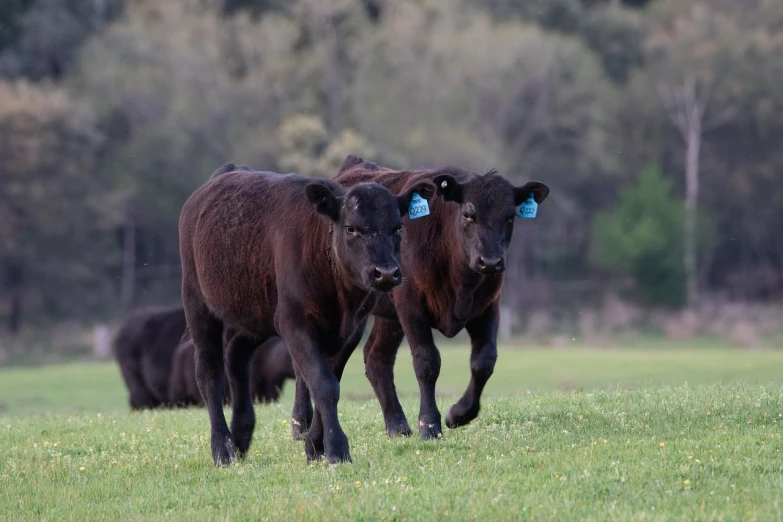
{"type": "Point", "coordinates": [483, 333]}
{"type": "Point", "coordinates": [239, 354]}
{"type": "Point", "coordinates": [380, 353]}
{"type": "Point", "coordinates": [302, 413]}
{"type": "Point", "coordinates": [206, 331]}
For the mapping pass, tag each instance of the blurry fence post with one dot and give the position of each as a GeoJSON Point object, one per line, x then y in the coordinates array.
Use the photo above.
{"type": "Point", "coordinates": [504, 328]}
{"type": "Point", "coordinates": [4, 352]}
{"type": "Point", "coordinates": [101, 344]}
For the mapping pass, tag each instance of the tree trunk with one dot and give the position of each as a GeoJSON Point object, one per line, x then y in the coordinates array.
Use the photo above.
{"type": "Point", "coordinates": [14, 283]}
{"type": "Point", "coordinates": [128, 263]}
{"type": "Point", "coordinates": [331, 80]}
{"type": "Point", "coordinates": [693, 146]}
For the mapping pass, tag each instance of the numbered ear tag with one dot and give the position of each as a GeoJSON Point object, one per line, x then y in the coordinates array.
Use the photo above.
{"type": "Point", "coordinates": [418, 207]}
{"type": "Point", "coordinates": [529, 208]}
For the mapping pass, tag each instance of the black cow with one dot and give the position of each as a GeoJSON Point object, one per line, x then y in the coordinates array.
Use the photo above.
{"type": "Point", "coordinates": [454, 262]}
{"type": "Point", "coordinates": [144, 347]}
{"type": "Point", "coordinates": [283, 255]}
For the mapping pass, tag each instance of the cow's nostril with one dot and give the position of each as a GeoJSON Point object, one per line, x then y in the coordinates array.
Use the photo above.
{"type": "Point", "coordinates": [491, 263]}
{"type": "Point", "coordinates": [376, 273]}
{"type": "Point", "coordinates": [397, 273]}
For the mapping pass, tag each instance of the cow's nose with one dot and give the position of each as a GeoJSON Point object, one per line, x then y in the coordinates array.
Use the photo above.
{"type": "Point", "coordinates": [490, 265]}
{"type": "Point", "coordinates": [386, 276]}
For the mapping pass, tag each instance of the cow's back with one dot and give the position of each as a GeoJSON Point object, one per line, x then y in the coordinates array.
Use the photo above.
{"type": "Point", "coordinates": [265, 221]}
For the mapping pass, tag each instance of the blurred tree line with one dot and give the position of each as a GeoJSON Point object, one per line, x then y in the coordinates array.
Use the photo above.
{"type": "Point", "coordinates": [656, 123]}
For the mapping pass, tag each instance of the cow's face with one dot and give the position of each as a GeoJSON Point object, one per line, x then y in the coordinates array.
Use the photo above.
{"type": "Point", "coordinates": [367, 229]}
{"type": "Point", "coordinates": [485, 222]}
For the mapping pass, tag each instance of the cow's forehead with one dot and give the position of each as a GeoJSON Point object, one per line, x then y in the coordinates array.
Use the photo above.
{"type": "Point", "coordinates": [371, 205]}
{"type": "Point", "coordinates": [489, 191]}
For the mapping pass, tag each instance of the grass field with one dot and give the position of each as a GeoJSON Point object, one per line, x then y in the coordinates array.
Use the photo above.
{"type": "Point", "coordinates": [572, 434]}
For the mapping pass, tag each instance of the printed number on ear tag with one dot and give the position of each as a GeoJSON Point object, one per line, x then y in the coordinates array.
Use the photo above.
{"type": "Point", "coordinates": [529, 208]}
{"type": "Point", "coordinates": [418, 207]}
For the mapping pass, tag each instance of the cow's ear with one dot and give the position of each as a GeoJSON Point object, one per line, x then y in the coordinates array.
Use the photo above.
{"type": "Point", "coordinates": [324, 200]}
{"type": "Point", "coordinates": [448, 188]}
{"type": "Point", "coordinates": [425, 189]}
{"type": "Point", "coordinates": [350, 161]}
{"type": "Point", "coordinates": [536, 188]}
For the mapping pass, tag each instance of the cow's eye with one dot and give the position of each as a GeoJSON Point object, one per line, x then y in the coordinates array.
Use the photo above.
{"type": "Point", "coordinates": [467, 216]}
{"type": "Point", "coordinates": [510, 220]}
{"type": "Point", "coordinates": [397, 230]}
{"type": "Point", "coordinates": [351, 230]}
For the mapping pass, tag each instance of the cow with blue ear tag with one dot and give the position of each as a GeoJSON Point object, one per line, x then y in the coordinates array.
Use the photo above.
{"type": "Point", "coordinates": [453, 259]}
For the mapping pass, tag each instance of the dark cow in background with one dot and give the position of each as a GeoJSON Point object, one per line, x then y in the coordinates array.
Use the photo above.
{"type": "Point", "coordinates": [156, 358]}
{"type": "Point", "coordinates": [453, 261]}
{"type": "Point", "coordinates": [144, 347]}
{"type": "Point", "coordinates": [271, 367]}
{"type": "Point", "coordinates": [183, 389]}
{"type": "Point", "coordinates": [283, 255]}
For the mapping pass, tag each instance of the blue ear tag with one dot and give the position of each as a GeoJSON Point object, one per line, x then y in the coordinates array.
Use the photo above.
{"type": "Point", "coordinates": [418, 207]}
{"type": "Point", "coordinates": [528, 208]}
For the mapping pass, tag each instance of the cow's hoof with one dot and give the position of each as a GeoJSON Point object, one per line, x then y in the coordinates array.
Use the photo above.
{"type": "Point", "coordinates": [337, 450]}
{"type": "Point", "coordinates": [314, 448]}
{"type": "Point", "coordinates": [242, 439]}
{"type": "Point", "coordinates": [430, 430]}
{"type": "Point", "coordinates": [399, 430]}
{"type": "Point", "coordinates": [298, 429]}
{"type": "Point", "coordinates": [224, 451]}
{"type": "Point", "coordinates": [342, 458]}
{"type": "Point", "coordinates": [460, 416]}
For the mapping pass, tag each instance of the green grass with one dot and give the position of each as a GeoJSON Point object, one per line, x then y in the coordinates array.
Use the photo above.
{"type": "Point", "coordinates": [652, 435]}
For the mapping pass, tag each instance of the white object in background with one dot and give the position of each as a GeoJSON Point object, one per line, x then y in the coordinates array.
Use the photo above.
{"type": "Point", "coordinates": [101, 342]}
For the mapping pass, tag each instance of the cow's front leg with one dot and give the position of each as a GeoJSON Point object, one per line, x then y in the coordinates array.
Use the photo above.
{"type": "Point", "coordinates": [380, 353]}
{"type": "Point", "coordinates": [483, 333]}
{"type": "Point", "coordinates": [324, 388]}
{"type": "Point", "coordinates": [315, 444]}
{"type": "Point", "coordinates": [426, 365]}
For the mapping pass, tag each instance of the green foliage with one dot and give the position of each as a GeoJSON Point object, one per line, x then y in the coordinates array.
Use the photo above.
{"type": "Point", "coordinates": [307, 150]}
{"type": "Point", "coordinates": [50, 34]}
{"type": "Point", "coordinates": [54, 214]}
{"type": "Point", "coordinates": [11, 14]}
{"type": "Point", "coordinates": [617, 36]}
{"type": "Point", "coordinates": [566, 91]}
{"type": "Point", "coordinates": [642, 237]}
